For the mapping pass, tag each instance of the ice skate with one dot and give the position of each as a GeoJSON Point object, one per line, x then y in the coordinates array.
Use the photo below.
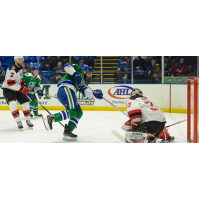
{"type": "Point", "coordinates": [169, 139]}
{"type": "Point", "coordinates": [48, 121]}
{"type": "Point", "coordinates": [68, 135]}
{"type": "Point", "coordinates": [20, 126]}
{"type": "Point", "coordinates": [28, 122]}
{"type": "Point", "coordinates": [38, 115]}
{"type": "Point", "coordinates": [31, 115]}
{"type": "Point", "coordinates": [154, 140]}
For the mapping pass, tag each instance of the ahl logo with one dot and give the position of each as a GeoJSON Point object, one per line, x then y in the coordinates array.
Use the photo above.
{"type": "Point", "coordinates": [120, 92]}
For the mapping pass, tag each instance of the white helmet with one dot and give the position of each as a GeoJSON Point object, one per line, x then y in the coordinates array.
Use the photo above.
{"type": "Point", "coordinates": [136, 91]}
{"type": "Point", "coordinates": [17, 57]}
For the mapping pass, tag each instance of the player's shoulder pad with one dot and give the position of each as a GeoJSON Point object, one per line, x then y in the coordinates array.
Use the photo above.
{"type": "Point", "coordinates": [28, 74]}
{"type": "Point", "coordinates": [38, 76]}
{"type": "Point", "coordinates": [68, 65]}
{"type": "Point", "coordinates": [13, 67]}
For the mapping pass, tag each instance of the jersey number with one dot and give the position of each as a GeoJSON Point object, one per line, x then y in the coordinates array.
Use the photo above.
{"type": "Point", "coordinates": [153, 109]}
{"type": "Point", "coordinates": [31, 85]}
{"type": "Point", "coordinates": [12, 75]}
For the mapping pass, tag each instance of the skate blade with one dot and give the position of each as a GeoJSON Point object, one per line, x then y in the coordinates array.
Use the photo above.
{"type": "Point", "coordinates": [38, 116]}
{"type": "Point", "coordinates": [45, 123]}
{"type": "Point", "coordinates": [30, 127]}
{"type": "Point", "coordinates": [158, 140]}
{"type": "Point", "coordinates": [67, 138]}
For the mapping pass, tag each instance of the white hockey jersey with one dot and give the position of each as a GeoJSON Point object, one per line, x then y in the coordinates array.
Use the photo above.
{"type": "Point", "coordinates": [13, 78]}
{"type": "Point", "coordinates": [141, 110]}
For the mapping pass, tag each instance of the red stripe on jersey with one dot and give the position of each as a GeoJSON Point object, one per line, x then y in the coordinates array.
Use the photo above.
{"type": "Point", "coordinates": [15, 113]}
{"type": "Point", "coordinates": [134, 111]}
{"type": "Point", "coordinates": [11, 82]}
{"type": "Point", "coordinates": [26, 113]}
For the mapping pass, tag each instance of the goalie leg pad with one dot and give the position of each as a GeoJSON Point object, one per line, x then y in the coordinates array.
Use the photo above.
{"type": "Point", "coordinates": [137, 137]}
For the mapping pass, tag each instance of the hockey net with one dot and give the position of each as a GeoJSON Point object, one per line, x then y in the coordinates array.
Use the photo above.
{"type": "Point", "coordinates": [193, 110]}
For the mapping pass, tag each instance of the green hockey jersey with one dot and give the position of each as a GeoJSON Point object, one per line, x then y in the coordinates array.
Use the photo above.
{"type": "Point", "coordinates": [32, 82]}
{"type": "Point", "coordinates": [68, 79]}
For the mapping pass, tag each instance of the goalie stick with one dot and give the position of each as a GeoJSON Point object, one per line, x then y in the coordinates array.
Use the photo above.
{"type": "Point", "coordinates": [116, 134]}
{"type": "Point", "coordinates": [175, 123]}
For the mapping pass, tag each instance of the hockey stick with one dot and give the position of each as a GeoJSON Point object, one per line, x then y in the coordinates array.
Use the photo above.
{"type": "Point", "coordinates": [47, 95]}
{"type": "Point", "coordinates": [116, 134]}
{"type": "Point", "coordinates": [44, 108]}
{"type": "Point", "coordinates": [105, 99]}
{"type": "Point", "coordinates": [175, 123]}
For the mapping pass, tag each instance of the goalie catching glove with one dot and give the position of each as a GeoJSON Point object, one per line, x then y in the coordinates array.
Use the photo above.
{"type": "Point", "coordinates": [129, 125]}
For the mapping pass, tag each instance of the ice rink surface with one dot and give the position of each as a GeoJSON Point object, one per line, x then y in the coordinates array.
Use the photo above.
{"type": "Point", "coordinates": [94, 127]}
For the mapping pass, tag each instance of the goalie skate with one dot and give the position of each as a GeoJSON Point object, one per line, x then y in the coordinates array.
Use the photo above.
{"type": "Point", "coordinates": [169, 139]}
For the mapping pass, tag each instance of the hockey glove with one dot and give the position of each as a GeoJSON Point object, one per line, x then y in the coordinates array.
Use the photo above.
{"type": "Point", "coordinates": [99, 94]}
{"type": "Point", "coordinates": [77, 77]}
{"type": "Point", "coordinates": [40, 93]}
{"type": "Point", "coordinates": [23, 83]}
{"type": "Point", "coordinates": [24, 90]}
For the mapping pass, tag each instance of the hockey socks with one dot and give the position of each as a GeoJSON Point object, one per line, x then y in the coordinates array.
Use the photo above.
{"type": "Point", "coordinates": [26, 110]}
{"type": "Point", "coordinates": [65, 114]}
{"type": "Point", "coordinates": [34, 107]}
{"type": "Point", "coordinates": [14, 110]}
{"type": "Point", "coordinates": [73, 115]}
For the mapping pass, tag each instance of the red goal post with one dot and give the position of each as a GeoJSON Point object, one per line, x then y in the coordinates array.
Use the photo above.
{"type": "Point", "coordinates": [193, 110]}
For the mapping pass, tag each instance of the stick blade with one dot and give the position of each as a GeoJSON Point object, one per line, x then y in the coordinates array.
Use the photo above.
{"type": "Point", "coordinates": [44, 119]}
{"type": "Point", "coordinates": [116, 134]}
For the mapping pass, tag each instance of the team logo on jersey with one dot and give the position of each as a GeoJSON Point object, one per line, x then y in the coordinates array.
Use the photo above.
{"type": "Point", "coordinates": [120, 92]}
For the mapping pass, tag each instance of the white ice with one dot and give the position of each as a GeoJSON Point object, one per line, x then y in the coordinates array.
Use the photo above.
{"type": "Point", "coordinates": [94, 127]}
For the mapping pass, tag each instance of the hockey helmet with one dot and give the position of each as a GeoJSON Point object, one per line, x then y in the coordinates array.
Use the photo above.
{"type": "Point", "coordinates": [86, 67]}
{"type": "Point", "coordinates": [136, 91]}
{"type": "Point", "coordinates": [35, 68]}
{"type": "Point", "coordinates": [17, 57]}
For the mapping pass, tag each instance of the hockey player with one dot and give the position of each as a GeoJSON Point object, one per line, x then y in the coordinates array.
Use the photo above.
{"type": "Point", "coordinates": [14, 90]}
{"type": "Point", "coordinates": [32, 81]}
{"type": "Point", "coordinates": [67, 88]}
{"type": "Point", "coordinates": [144, 118]}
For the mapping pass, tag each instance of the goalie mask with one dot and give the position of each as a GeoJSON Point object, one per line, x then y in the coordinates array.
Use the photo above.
{"type": "Point", "coordinates": [136, 91]}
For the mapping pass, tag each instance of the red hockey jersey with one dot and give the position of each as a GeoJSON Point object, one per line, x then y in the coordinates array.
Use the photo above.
{"type": "Point", "coordinates": [13, 78]}
{"type": "Point", "coordinates": [141, 110]}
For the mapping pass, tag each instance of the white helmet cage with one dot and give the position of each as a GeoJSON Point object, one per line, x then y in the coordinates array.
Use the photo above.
{"type": "Point", "coordinates": [136, 91]}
